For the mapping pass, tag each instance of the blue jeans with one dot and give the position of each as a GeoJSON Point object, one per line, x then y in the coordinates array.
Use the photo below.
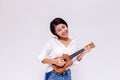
{"type": "Point", "coordinates": [52, 75]}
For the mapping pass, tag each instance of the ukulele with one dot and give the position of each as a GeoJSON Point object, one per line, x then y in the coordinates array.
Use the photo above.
{"type": "Point", "coordinates": [68, 58]}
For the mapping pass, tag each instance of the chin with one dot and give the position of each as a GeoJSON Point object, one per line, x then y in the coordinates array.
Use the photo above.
{"type": "Point", "coordinates": [65, 36]}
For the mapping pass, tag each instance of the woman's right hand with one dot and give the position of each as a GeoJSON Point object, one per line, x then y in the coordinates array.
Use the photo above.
{"type": "Point", "coordinates": [59, 62]}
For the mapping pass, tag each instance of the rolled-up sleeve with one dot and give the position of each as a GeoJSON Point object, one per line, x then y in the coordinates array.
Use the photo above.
{"type": "Point", "coordinates": [45, 51]}
{"type": "Point", "coordinates": [75, 61]}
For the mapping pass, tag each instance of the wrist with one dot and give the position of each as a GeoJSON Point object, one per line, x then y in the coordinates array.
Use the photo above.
{"type": "Point", "coordinates": [79, 58]}
{"type": "Point", "coordinates": [53, 61]}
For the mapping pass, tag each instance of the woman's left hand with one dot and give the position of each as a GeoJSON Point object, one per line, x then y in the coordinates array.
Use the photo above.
{"type": "Point", "coordinates": [87, 49]}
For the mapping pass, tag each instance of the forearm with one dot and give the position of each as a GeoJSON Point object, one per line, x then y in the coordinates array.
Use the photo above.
{"type": "Point", "coordinates": [80, 56]}
{"type": "Point", "coordinates": [48, 61]}
{"type": "Point", "coordinates": [58, 61]}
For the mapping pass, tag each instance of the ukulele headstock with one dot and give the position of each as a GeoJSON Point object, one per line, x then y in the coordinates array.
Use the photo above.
{"type": "Point", "coordinates": [90, 45]}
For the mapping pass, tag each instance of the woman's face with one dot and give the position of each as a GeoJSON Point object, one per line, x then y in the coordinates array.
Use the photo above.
{"type": "Point", "coordinates": [61, 30]}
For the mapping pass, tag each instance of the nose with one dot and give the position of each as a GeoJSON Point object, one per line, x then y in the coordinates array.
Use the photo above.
{"type": "Point", "coordinates": [63, 30]}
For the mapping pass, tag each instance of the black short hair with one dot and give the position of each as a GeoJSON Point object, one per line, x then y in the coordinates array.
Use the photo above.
{"type": "Point", "coordinates": [56, 22]}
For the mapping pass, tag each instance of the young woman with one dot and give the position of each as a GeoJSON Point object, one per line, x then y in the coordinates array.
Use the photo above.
{"type": "Point", "coordinates": [56, 47]}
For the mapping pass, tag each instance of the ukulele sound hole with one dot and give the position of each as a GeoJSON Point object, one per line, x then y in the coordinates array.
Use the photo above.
{"type": "Point", "coordinates": [65, 60]}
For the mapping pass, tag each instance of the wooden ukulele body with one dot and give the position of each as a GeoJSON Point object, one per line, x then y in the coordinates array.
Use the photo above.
{"type": "Point", "coordinates": [62, 69]}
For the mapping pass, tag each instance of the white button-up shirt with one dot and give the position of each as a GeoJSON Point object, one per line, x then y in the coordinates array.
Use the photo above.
{"type": "Point", "coordinates": [54, 48]}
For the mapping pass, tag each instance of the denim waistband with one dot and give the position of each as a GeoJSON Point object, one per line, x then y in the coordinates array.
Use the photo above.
{"type": "Point", "coordinates": [66, 75]}
{"type": "Point", "coordinates": [65, 72]}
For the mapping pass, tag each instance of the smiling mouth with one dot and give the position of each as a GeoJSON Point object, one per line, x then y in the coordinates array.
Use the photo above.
{"type": "Point", "coordinates": [64, 33]}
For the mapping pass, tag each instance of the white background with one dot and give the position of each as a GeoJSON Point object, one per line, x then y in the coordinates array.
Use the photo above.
{"type": "Point", "coordinates": [24, 28]}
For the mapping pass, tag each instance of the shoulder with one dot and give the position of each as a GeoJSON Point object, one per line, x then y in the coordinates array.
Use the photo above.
{"type": "Point", "coordinates": [74, 40]}
{"type": "Point", "coordinates": [50, 41]}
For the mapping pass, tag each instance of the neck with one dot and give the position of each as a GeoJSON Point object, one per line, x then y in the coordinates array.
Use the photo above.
{"type": "Point", "coordinates": [65, 39]}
